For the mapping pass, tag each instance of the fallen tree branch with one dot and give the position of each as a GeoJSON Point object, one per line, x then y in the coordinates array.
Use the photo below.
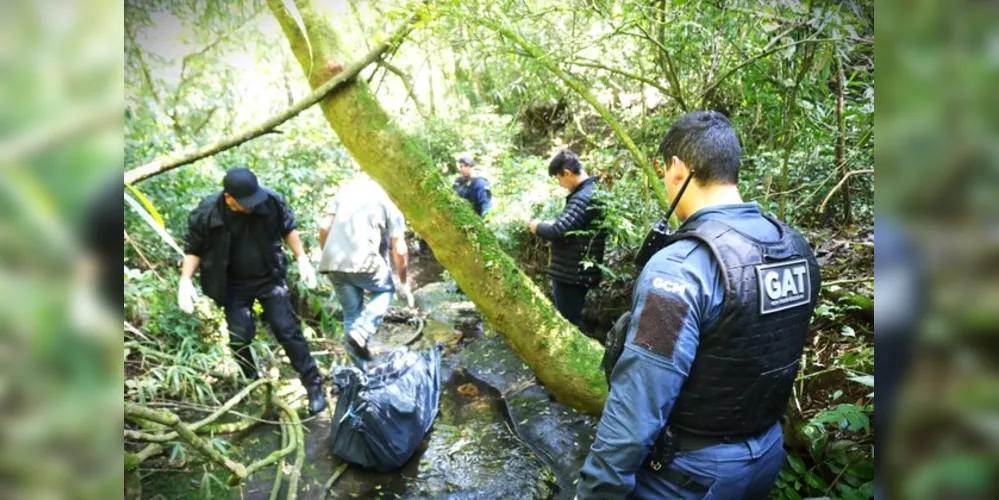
{"type": "Point", "coordinates": [290, 423]}
{"type": "Point", "coordinates": [293, 426]}
{"type": "Point", "coordinates": [298, 440]}
{"type": "Point", "coordinates": [279, 470]}
{"type": "Point", "coordinates": [133, 411]}
{"type": "Point", "coordinates": [172, 161]}
{"type": "Point", "coordinates": [132, 460]}
{"type": "Point", "coordinates": [329, 484]}
{"type": "Point", "coordinates": [239, 471]}
{"type": "Point", "coordinates": [230, 427]}
{"type": "Point", "coordinates": [822, 207]}
{"type": "Point", "coordinates": [162, 438]}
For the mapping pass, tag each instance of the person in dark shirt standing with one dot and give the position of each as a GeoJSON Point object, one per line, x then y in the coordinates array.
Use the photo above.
{"type": "Point", "coordinates": [234, 237]}
{"type": "Point", "coordinates": [577, 238]}
{"type": "Point", "coordinates": [473, 188]}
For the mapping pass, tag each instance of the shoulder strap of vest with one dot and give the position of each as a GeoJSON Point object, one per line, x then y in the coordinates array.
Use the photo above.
{"type": "Point", "coordinates": [791, 244]}
{"type": "Point", "coordinates": [709, 231]}
{"type": "Point", "coordinates": [706, 231]}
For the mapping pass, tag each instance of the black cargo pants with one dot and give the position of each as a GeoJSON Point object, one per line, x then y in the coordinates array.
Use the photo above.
{"type": "Point", "coordinates": [280, 315]}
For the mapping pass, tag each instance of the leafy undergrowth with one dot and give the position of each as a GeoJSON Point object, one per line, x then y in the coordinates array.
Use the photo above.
{"type": "Point", "coordinates": [829, 434]}
{"type": "Point", "coordinates": [178, 363]}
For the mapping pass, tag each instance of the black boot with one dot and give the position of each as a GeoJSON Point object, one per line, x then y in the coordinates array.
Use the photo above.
{"type": "Point", "coordinates": [317, 397]}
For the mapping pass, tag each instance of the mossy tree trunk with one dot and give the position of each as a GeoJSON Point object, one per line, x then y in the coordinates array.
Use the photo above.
{"type": "Point", "coordinates": [563, 359]}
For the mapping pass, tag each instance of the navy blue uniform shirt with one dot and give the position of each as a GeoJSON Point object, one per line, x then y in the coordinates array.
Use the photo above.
{"type": "Point", "coordinates": [647, 379]}
{"type": "Point", "coordinates": [476, 190]}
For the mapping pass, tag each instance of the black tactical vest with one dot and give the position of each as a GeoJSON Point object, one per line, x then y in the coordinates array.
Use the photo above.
{"type": "Point", "coordinates": [746, 363]}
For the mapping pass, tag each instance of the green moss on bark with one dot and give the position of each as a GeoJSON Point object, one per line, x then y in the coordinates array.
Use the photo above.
{"type": "Point", "coordinates": [131, 461]}
{"type": "Point", "coordinates": [562, 358]}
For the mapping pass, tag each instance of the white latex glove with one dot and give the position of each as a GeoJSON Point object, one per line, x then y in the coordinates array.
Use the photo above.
{"type": "Point", "coordinates": [402, 291]}
{"type": "Point", "coordinates": [307, 273]}
{"type": "Point", "coordinates": [185, 295]}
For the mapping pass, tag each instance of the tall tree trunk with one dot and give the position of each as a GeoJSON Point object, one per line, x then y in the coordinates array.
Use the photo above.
{"type": "Point", "coordinates": [792, 106]}
{"type": "Point", "coordinates": [430, 84]}
{"type": "Point", "coordinates": [841, 140]}
{"type": "Point", "coordinates": [656, 33]}
{"type": "Point", "coordinates": [565, 361]}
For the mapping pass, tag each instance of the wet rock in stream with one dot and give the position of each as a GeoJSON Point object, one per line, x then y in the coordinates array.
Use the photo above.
{"type": "Point", "coordinates": [560, 435]}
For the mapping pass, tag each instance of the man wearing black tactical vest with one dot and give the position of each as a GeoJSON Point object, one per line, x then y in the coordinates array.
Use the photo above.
{"type": "Point", "coordinates": [720, 317]}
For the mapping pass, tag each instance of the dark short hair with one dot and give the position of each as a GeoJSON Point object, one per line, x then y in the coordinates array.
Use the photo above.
{"type": "Point", "coordinates": [466, 160]}
{"type": "Point", "coordinates": [565, 160]}
{"type": "Point", "coordinates": [706, 142]}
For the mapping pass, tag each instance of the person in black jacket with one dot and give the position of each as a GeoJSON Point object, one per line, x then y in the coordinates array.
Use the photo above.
{"type": "Point", "coordinates": [234, 238]}
{"type": "Point", "coordinates": [473, 188]}
{"type": "Point", "coordinates": [577, 238]}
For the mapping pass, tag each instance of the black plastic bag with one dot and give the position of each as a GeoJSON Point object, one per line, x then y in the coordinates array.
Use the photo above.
{"type": "Point", "coordinates": [383, 414]}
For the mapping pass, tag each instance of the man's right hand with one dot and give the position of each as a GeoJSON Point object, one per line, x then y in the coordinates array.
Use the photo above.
{"type": "Point", "coordinates": [185, 295]}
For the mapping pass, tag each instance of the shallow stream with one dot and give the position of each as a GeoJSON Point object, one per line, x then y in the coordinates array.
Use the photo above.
{"type": "Point", "coordinates": [499, 434]}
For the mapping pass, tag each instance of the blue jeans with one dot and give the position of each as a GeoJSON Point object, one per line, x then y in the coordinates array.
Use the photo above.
{"type": "Point", "coordinates": [350, 290]}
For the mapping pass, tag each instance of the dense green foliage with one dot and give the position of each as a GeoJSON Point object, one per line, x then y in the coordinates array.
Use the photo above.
{"type": "Point", "coordinates": [796, 78]}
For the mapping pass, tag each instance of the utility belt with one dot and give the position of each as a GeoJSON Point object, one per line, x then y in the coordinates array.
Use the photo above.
{"type": "Point", "coordinates": [673, 442]}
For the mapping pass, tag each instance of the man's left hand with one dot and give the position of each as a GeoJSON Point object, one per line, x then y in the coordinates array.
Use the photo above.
{"type": "Point", "coordinates": [534, 226]}
{"type": "Point", "coordinates": [307, 273]}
